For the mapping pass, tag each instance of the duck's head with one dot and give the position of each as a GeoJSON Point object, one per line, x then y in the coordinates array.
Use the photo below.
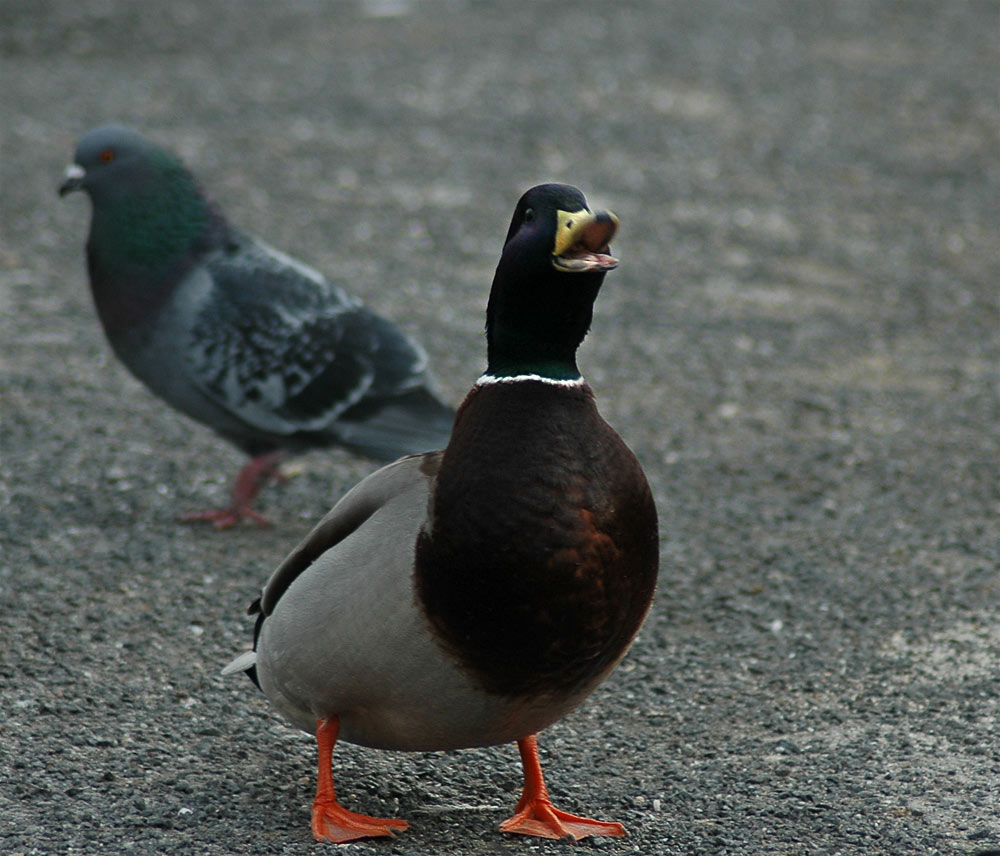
{"type": "Point", "coordinates": [553, 264]}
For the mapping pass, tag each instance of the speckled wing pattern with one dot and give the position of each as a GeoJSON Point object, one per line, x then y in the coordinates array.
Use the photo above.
{"type": "Point", "coordinates": [285, 350]}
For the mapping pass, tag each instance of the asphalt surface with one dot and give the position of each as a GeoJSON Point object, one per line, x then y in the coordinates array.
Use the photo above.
{"type": "Point", "coordinates": [802, 345]}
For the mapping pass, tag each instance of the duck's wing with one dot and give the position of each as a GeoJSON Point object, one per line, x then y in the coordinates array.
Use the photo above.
{"type": "Point", "coordinates": [398, 480]}
{"type": "Point", "coordinates": [354, 508]}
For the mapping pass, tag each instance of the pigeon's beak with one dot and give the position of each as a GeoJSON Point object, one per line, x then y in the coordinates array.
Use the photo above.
{"type": "Point", "coordinates": [73, 179]}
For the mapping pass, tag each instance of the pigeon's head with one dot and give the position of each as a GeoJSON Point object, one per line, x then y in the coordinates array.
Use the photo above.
{"type": "Point", "coordinates": [553, 264]}
{"type": "Point", "coordinates": [149, 212]}
{"type": "Point", "coordinates": [110, 157]}
{"type": "Point", "coordinates": [115, 160]}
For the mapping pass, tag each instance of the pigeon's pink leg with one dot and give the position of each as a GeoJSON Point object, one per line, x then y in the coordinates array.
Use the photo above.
{"type": "Point", "coordinates": [254, 473]}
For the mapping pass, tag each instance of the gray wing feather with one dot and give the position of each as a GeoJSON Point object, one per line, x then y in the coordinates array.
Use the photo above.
{"type": "Point", "coordinates": [285, 350]}
{"type": "Point", "coordinates": [396, 480]}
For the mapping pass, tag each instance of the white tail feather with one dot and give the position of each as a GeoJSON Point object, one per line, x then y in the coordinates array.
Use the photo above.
{"type": "Point", "coordinates": [243, 662]}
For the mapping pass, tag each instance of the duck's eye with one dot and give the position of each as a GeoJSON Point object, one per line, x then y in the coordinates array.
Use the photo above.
{"type": "Point", "coordinates": [529, 215]}
{"type": "Point", "coordinates": [107, 156]}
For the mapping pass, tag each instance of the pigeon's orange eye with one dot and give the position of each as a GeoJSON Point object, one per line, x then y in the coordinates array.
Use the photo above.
{"type": "Point", "coordinates": [107, 156]}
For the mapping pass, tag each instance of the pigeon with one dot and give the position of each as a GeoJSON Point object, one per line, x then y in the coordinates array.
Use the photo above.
{"type": "Point", "coordinates": [256, 345]}
{"type": "Point", "coordinates": [475, 596]}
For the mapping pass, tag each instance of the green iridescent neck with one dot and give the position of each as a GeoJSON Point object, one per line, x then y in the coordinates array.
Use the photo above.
{"type": "Point", "coordinates": [544, 369]}
{"type": "Point", "coordinates": [153, 224]}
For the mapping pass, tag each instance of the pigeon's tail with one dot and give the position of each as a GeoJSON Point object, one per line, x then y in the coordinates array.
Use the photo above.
{"type": "Point", "coordinates": [408, 424]}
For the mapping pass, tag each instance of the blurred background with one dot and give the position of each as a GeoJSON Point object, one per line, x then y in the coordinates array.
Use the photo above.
{"type": "Point", "coordinates": [802, 344]}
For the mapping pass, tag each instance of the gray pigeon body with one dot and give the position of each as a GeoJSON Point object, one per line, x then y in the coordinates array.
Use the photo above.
{"type": "Point", "coordinates": [233, 333]}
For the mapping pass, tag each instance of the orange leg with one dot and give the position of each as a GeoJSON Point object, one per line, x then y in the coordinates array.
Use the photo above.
{"type": "Point", "coordinates": [254, 473]}
{"type": "Point", "coordinates": [535, 814]}
{"type": "Point", "coordinates": [330, 820]}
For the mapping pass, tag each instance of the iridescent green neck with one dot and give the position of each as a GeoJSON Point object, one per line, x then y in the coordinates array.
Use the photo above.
{"type": "Point", "coordinates": [518, 349]}
{"type": "Point", "coordinates": [152, 225]}
{"type": "Point", "coordinates": [546, 370]}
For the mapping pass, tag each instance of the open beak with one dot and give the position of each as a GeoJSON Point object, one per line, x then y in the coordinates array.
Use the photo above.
{"type": "Point", "coordinates": [582, 239]}
{"type": "Point", "coordinates": [73, 180]}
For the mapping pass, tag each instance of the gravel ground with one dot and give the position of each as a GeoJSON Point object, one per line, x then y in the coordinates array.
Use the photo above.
{"type": "Point", "coordinates": [802, 344]}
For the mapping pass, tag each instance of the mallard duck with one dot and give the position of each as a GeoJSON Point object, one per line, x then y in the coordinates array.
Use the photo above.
{"type": "Point", "coordinates": [474, 596]}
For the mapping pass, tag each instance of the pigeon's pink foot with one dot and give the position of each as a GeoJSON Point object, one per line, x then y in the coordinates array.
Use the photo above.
{"type": "Point", "coordinates": [254, 473]}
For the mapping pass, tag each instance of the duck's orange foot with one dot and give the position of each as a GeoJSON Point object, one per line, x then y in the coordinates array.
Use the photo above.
{"type": "Point", "coordinates": [541, 818]}
{"type": "Point", "coordinates": [332, 822]}
{"type": "Point", "coordinates": [535, 814]}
